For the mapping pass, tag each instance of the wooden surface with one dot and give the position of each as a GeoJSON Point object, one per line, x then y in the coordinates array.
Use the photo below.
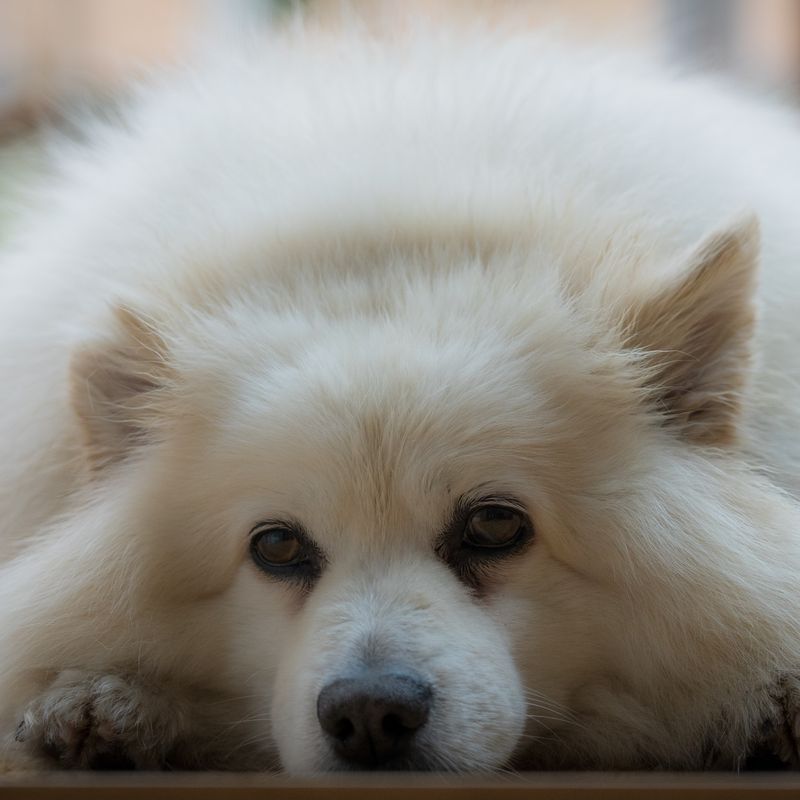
{"type": "Point", "coordinates": [395, 786]}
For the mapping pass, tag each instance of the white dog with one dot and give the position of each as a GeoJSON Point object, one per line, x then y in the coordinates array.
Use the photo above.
{"type": "Point", "coordinates": [412, 404]}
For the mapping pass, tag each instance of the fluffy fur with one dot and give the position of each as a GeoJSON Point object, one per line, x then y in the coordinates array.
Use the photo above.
{"type": "Point", "coordinates": [351, 283]}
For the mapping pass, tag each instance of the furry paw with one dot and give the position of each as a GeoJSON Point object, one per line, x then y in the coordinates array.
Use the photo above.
{"type": "Point", "coordinates": [90, 720]}
{"type": "Point", "coordinates": [785, 738]}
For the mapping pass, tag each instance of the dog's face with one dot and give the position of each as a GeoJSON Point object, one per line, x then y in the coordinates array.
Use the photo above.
{"type": "Point", "coordinates": [396, 511]}
{"type": "Point", "coordinates": [423, 529]}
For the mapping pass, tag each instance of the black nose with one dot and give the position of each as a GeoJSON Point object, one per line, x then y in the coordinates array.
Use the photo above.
{"type": "Point", "coordinates": [372, 718]}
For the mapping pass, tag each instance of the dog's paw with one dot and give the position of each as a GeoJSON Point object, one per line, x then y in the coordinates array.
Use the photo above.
{"type": "Point", "coordinates": [88, 720]}
{"type": "Point", "coordinates": [786, 736]}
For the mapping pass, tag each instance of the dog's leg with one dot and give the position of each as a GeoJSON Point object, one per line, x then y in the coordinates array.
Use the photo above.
{"type": "Point", "coordinates": [90, 720]}
{"type": "Point", "coordinates": [784, 740]}
{"type": "Point", "coordinates": [776, 745]}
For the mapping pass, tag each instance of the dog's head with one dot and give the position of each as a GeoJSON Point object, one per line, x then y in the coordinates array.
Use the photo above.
{"type": "Point", "coordinates": [456, 517]}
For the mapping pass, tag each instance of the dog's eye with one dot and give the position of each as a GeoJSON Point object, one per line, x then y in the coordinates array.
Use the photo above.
{"type": "Point", "coordinates": [481, 535]}
{"type": "Point", "coordinates": [277, 547]}
{"type": "Point", "coordinates": [283, 551]}
{"type": "Point", "coordinates": [493, 526]}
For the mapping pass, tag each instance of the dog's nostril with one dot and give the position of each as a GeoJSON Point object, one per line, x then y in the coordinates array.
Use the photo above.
{"type": "Point", "coordinates": [372, 719]}
{"type": "Point", "coordinates": [393, 726]}
{"type": "Point", "coordinates": [343, 729]}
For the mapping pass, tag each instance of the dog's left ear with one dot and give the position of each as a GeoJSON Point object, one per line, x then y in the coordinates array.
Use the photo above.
{"type": "Point", "coordinates": [695, 334]}
{"type": "Point", "coordinates": [119, 386]}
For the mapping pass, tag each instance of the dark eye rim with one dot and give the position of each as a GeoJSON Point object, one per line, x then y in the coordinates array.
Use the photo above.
{"type": "Point", "coordinates": [472, 562]}
{"type": "Point", "coordinates": [308, 565]}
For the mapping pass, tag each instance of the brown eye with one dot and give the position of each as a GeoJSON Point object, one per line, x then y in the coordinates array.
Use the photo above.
{"type": "Point", "coordinates": [482, 534]}
{"type": "Point", "coordinates": [278, 547]}
{"type": "Point", "coordinates": [494, 526]}
{"type": "Point", "coordinates": [283, 551]}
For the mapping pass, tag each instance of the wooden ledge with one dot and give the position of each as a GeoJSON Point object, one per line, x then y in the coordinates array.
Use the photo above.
{"type": "Point", "coordinates": [394, 786]}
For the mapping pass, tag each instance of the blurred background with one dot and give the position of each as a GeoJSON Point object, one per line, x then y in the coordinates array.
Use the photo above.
{"type": "Point", "coordinates": [55, 54]}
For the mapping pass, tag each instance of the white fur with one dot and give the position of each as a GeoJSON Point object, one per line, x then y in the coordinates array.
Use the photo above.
{"type": "Point", "coordinates": [385, 274]}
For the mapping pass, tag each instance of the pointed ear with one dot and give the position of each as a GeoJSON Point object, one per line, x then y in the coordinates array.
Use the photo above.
{"type": "Point", "coordinates": [696, 332]}
{"type": "Point", "coordinates": [118, 387]}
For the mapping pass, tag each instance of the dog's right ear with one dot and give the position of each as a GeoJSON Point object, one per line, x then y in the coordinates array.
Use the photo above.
{"type": "Point", "coordinates": [696, 333]}
{"type": "Point", "coordinates": [118, 388]}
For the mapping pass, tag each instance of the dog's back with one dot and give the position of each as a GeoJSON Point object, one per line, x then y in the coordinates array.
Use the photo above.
{"type": "Point", "coordinates": [582, 150]}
